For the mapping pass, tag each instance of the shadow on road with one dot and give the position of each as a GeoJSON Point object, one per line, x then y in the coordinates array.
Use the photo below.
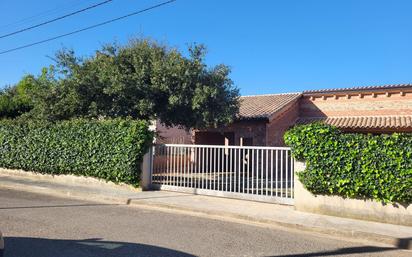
{"type": "Point", "coordinates": [402, 243]}
{"type": "Point", "coordinates": [342, 251]}
{"type": "Point", "coordinates": [42, 247]}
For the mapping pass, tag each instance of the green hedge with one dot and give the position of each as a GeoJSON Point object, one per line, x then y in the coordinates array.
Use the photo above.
{"type": "Point", "coordinates": [109, 149]}
{"type": "Point", "coordinates": [354, 165]}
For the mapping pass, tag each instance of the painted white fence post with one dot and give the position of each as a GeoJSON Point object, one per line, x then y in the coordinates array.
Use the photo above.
{"type": "Point", "coordinates": [147, 170]}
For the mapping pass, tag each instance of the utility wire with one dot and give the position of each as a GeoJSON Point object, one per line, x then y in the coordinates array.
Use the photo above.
{"type": "Point", "coordinates": [87, 28]}
{"type": "Point", "coordinates": [43, 14]}
{"type": "Point", "coordinates": [56, 19]}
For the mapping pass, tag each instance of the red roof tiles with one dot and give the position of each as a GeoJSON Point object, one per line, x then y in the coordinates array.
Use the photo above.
{"type": "Point", "coordinates": [264, 106]}
{"type": "Point", "coordinates": [365, 122]}
{"type": "Point", "coordinates": [367, 88]}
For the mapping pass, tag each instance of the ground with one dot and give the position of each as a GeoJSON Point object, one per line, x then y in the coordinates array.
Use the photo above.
{"type": "Point", "coordinates": [43, 226]}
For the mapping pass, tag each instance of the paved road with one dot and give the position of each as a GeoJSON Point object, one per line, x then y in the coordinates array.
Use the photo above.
{"type": "Point", "coordinates": [44, 226]}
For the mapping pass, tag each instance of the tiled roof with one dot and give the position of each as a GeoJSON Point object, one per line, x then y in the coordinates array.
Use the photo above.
{"type": "Point", "coordinates": [263, 106]}
{"type": "Point", "coordinates": [365, 122]}
{"type": "Point", "coordinates": [368, 88]}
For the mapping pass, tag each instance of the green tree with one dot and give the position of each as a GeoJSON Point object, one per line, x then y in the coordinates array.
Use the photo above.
{"type": "Point", "coordinates": [16, 100]}
{"type": "Point", "coordinates": [144, 80]}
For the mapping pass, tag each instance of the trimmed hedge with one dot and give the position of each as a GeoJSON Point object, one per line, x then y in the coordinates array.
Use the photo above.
{"type": "Point", "coordinates": [353, 165]}
{"type": "Point", "coordinates": [109, 149]}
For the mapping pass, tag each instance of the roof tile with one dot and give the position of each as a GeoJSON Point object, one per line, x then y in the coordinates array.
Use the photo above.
{"type": "Point", "coordinates": [264, 106]}
{"type": "Point", "coordinates": [367, 88]}
{"type": "Point", "coordinates": [364, 122]}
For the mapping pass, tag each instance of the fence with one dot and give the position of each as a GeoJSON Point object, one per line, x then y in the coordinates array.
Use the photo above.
{"type": "Point", "coordinates": [254, 173]}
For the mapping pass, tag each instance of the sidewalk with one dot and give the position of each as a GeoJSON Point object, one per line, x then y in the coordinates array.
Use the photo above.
{"type": "Point", "coordinates": [236, 210]}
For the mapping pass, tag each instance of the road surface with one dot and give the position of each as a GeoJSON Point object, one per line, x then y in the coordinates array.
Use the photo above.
{"type": "Point", "coordinates": [44, 226]}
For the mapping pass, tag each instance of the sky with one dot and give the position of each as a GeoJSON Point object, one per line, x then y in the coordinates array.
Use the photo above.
{"type": "Point", "coordinates": [272, 46]}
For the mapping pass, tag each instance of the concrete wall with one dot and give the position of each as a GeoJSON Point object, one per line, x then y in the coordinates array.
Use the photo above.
{"type": "Point", "coordinates": [349, 208]}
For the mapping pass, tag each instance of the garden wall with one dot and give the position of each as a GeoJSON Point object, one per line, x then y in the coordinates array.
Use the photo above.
{"type": "Point", "coordinates": [349, 208]}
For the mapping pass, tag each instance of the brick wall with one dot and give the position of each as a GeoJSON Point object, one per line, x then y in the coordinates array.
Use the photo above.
{"type": "Point", "coordinates": [277, 127]}
{"type": "Point", "coordinates": [380, 103]}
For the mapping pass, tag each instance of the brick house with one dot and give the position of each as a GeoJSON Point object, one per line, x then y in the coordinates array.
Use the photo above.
{"type": "Point", "coordinates": [263, 119]}
{"type": "Point", "coordinates": [380, 109]}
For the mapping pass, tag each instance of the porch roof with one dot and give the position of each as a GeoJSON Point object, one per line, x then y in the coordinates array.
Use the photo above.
{"type": "Point", "coordinates": [365, 122]}
{"type": "Point", "coordinates": [264, 106]}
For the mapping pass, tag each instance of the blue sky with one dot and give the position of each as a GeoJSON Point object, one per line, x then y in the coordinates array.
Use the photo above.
{"type": "Point", "coordinates": [272, 46]}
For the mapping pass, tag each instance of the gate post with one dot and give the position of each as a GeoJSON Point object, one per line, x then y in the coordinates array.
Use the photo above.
{"type": "Point", "coordinates": [147, 170]}
{"type": "Point", "coordinates": [300, 192]}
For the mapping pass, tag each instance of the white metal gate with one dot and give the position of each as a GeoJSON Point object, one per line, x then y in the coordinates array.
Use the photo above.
{"type": "Point", "coordinates": [253, 173]}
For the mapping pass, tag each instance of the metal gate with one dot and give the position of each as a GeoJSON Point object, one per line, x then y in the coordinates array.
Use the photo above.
{"type": "Point", "coordinates": [253, 173]}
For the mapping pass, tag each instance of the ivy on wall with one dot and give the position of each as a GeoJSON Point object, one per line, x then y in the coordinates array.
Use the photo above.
{"type": "Point", "coordinates": [353, 165]}
{"type": "Point", "coordinates": [109, 149]}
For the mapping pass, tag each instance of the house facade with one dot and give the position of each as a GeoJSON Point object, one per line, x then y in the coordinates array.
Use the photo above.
{"type": "Point", "coordinates": [263, 119]}
{"type": "Point", "coordinates": [382, 109]}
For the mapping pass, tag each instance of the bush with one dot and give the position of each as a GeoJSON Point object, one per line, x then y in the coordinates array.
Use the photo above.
{"type": "Point", "coordinates": [110, 149]}
{"type": "Point", "coordinates": [354, 165]}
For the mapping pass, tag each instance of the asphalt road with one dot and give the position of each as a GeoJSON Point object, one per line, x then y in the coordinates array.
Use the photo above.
{"type": "Point", "coordinates": [44, 226]}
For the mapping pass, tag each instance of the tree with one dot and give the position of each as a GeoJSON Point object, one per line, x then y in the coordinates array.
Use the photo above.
{"type": "Point", "coordinates": [16, 100]}
{"type": "Point", "coordinates": [144, 80]}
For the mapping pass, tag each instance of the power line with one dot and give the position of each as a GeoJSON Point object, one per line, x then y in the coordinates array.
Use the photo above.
{"type": "Point", "coordinates": [56, 19]}
{"type": "Point", "coordinates": [42, 14]}
{"type": "Point", "coordinates": [87, 28]}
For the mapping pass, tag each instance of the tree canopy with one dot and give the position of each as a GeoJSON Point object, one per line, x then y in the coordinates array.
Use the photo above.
{"type": "Point", "coordinates": [16, 100]}
{"type": "Point", "coordinates": [143, 80]}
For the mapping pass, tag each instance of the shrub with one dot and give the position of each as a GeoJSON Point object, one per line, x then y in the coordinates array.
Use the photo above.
{"type": "Point", "coordinates": [353, 165]}
{"type": "Point", "coordinates": [109, 149]}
